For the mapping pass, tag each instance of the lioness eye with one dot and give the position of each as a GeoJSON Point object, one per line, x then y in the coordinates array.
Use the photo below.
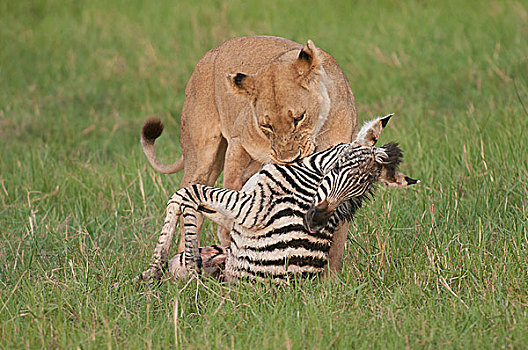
{"type": "Point", "coordinates": [267, 127]}
{"type": "Point", "coordinates": [299, 118]}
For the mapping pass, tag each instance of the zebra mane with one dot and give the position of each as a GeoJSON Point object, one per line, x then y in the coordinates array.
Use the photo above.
{"type": "Point", "coordinates": [394, 156]}
{"type": "Point", "coordinates": [347, 210]}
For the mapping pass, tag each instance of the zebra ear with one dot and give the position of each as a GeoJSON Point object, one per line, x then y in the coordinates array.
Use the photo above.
{"type": "Point", "coordinates": [396, 179]}
{"type": "Point", "coordinates": [371, 131]}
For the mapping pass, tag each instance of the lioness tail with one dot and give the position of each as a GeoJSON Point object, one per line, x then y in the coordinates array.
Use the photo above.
{"type": "Point", "coordinates": [151, 130]}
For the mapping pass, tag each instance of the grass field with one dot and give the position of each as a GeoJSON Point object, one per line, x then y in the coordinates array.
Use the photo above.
{"type": "Point", "coordinates": [444, 264]}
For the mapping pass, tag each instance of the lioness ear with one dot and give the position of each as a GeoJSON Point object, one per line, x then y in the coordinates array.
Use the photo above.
{"type": "Point", "coordinates": [396, 179]}
{"type": "Point", "coordinates": [242, 83]}
{"type": "Point", "coordinates": [308, 62]}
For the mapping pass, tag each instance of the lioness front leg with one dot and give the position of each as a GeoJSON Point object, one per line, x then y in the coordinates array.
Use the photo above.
{"type": "Point", "coordinates": [337, 249]}
{"type": "Point", "coordinates": [236, 162]}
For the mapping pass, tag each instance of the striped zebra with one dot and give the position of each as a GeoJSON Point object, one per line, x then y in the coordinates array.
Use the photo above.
{"type": "Point", "coordinates": [283, 219]}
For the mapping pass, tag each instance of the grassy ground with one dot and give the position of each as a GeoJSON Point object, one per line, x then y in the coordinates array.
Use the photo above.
{"type": "Point", "coordinates": [443, 264]}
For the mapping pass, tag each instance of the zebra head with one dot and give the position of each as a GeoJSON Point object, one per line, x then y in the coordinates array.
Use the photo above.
{"type": "Point", "coordinates": [358, 167]}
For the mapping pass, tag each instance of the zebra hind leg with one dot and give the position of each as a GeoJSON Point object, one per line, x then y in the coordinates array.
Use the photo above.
{"type": "Point", "coordinates": [160, 257]}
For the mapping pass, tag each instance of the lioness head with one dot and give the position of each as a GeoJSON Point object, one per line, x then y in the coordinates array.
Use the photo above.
{"type": "Point", "coordinates": [289, 102]}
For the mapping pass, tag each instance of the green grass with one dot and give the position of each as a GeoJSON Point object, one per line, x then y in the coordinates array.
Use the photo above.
{"type": "Point", "coordinates": [442, 265]}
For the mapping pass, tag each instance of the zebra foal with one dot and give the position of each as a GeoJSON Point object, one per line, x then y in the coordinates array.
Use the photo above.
{"type": "Point", "coordinates": [283, 220]}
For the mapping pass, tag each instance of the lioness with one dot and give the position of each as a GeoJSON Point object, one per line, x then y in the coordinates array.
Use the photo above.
{"type": "Point", "coordinates": [253, 101]}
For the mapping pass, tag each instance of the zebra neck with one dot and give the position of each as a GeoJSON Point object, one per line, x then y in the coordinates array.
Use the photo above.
{"type": "Point", "coordinates": [321, 162]}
